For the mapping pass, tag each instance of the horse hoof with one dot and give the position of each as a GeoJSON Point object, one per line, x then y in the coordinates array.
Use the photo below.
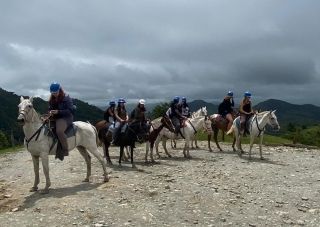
{"type": "Point", "coordinates": [262, 158]}
{"type": "Point", "coordinates": [33, 189]}
{"type": "Point", "coordinates": [170, 156]}
{"type": "Point", "coordinates": [106, 179]}
{"type": "Point", "coordinates": [44, 191]}
{"type": "Point", "coordinates": [134, 166]}
{"type": "Point", "coordinates": [86, 180]}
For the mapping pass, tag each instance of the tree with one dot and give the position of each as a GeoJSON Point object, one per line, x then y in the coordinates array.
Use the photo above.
{"type": "Point", "coordinates": [4, 143]}
{"type": "Point", "coordinates": [160, 110]}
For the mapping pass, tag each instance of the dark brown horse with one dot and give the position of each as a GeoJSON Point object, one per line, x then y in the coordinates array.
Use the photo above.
{"type": "Point", "coordinates": [219, 123]}
{"type": "Point", "coordinates": [135, 132]}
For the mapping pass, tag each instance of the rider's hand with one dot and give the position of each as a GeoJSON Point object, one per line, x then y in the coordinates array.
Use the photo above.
{"type": "Point", "coordinates": [53, 112]}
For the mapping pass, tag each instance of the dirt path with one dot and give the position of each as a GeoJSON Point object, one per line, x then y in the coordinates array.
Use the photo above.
{"type": "Point", "coordinates": [211, 189]}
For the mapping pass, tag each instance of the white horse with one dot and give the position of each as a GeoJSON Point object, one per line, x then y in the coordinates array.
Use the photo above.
{"type": "Point", "coordinates": [191, 127]}
{"type": "Point", "coordinates": [39, 144]}
{"type": "Point", "coordinates": [256, 125]}
{"type": "Point", "coordinates": [200, 112]}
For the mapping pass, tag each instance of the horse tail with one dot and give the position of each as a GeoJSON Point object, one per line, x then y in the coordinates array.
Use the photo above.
{"type": "Point", "coordinates": [99, 143]}
{"type": "Point", "coordinates": [230, 130]}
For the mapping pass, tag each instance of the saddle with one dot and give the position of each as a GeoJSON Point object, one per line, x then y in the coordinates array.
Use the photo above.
{"type": "Point", "coordinates": [219, 119]}
{"type": "Point", "coordinates": [246, 126]}
{"type": "Point", "coordinates": [50, 131]}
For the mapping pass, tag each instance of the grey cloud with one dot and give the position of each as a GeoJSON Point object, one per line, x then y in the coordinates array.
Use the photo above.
{"type": "Point", "coordinates": [101, 50]}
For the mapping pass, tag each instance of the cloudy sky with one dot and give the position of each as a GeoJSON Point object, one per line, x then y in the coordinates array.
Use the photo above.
{"type": "Point", "coordinates": [156, 49]}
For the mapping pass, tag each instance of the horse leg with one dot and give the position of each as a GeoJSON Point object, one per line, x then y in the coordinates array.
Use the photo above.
{"type": "Point", "coordinates": [251, 145]}
{"type": "Point", "coordinates": [35, 160]}
{"type": "Point", "coordinates": [157, 145]}
{"type": "Point", "coordinates": [233, 144]}
{"type": "Point", "coordinates": [209, 145]}
{"type": "Point", "coordinates": [45, 167]}
{"type": "Point", "coordinates": [121, 154]}
{"type": "Point", "coordinates": [187, 148]}
{"type": "Point", "coordinates": [215, 136]}
{"type": "Point", "coordinates": [131, 149]}
{"type": "Point", "coordinates": [96, 153]}
{"type": "Point", "coordinates": [106, 152]}
{"type": "Point", "coordinates": [87, 158]}
{"type": "Point", "coordinates": [147, 151]}
{"type": "Point", "coordinates": [151, 151]}
{"type": "Point", "coordinates": [196, 143]}
{"type": "Point", "coordinates": [184, 150]}
{"type": "Point", "coordinates": [260, 146]}
{"type": "Point", "coordinates": [164, 145]}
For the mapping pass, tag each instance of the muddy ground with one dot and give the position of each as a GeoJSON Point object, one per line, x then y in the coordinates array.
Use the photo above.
{"type": "Point", "coordinates": [211, 189]}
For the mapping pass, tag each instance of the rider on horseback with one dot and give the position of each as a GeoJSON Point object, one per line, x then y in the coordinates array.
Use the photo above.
{"type": "Point", "coordinates": [225, 108]}
{"type": "Point", "coordinates": [60, 110]}
{"type": "Point", "coordinates": [185, 108]}
{"type": "Point", "coordinates": [175, 114]}
{"type": "Point", "coordinates": [246, 112]}
{"type": "Point", "coordinates": [121, 117]}
{"type": "Point", "coordinates": [109, 117]}
{"type": "Point", "coordinates": [138, 114]}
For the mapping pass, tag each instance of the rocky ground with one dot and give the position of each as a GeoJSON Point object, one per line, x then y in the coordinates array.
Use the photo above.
{"type": "Point", "coordinates": [211, 189]}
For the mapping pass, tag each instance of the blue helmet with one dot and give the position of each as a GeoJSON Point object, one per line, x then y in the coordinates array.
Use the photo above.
{"type": "Point", "coordinates": [176, 99]}
{"type": "Point", "coordinates": [54, 87]}
{"type": "Point", "coordinates": [230, 93]}
{"type": "Point", "coordinates": [184, 99]}
{"type": "Point", "coordinates": [121, 100]}
{"type": "Point", "coordinates": [112, 103]}
{"type": "Point", "coordinates": [247, 94]}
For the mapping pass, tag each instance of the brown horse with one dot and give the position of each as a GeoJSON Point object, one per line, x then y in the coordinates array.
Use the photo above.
{"type": "Point", "coordinates": [156, 127]}
{"type": "Point", "coordinates": [219, 123]}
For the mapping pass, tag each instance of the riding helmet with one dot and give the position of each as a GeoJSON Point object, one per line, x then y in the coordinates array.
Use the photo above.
{"type": "Point", "coordinates": [54, 87]}
{"type": "Point", "coordinates": [142, 101]}
{"type": "Point", "coordinates": [230, 93]}
{"type": "Point", "coordinates": [247, 94]}
{"type": "Point", "coordinates": [121, 100]}
{"type": "Point", "coordinates": [176, 99]}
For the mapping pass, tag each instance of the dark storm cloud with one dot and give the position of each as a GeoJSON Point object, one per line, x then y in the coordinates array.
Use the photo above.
{"type": "Point", "coordinates": [102, 50]}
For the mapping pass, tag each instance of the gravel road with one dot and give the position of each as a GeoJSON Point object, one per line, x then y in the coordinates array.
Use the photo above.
{"type": "Point", "coordinates": [211, 189]}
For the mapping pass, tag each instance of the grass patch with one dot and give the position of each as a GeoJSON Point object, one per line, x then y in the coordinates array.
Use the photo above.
{"type": "Point", "coordinates": [267, 139]}
{"type": "Point", "coordinates": [11, 149]}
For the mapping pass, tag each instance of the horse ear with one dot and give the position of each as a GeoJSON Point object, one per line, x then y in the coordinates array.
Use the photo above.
{"type": "Point", "coordinates": [21, 99]}
{"type": "Point", "coordinates": [31, 99]}
{"type": "Point", "coordinates": [274, 111]}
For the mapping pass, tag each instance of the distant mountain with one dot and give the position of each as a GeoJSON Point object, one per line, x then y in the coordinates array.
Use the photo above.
{"type": "Point", "coordinates": [197, 104]}
{"type": "Point", "coordinates": [303, 115]}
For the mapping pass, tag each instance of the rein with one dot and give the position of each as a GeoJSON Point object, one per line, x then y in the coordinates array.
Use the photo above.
{"type": "Point", "coordinates": [37, 133]}
{"type": "Point", "coordinates": [195, 131]}
{"type": "Point", "coordinates": [260, 130]}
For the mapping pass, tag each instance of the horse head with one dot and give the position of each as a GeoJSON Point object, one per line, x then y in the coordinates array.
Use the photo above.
{"type": "Point", "coordinates": [204, 111]}
{"type": "Point", "coordinates": [272, 120]}
{"type": "Point", "coordinates": [140, 130]}
{"type": "Point", "coordinates": [166, 121]}
{"type": "Point", "coordinates": [25, 111]}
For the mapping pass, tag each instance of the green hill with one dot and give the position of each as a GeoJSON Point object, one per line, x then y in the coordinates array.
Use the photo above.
{"type": "Point", "coordinates": [287, 113]}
